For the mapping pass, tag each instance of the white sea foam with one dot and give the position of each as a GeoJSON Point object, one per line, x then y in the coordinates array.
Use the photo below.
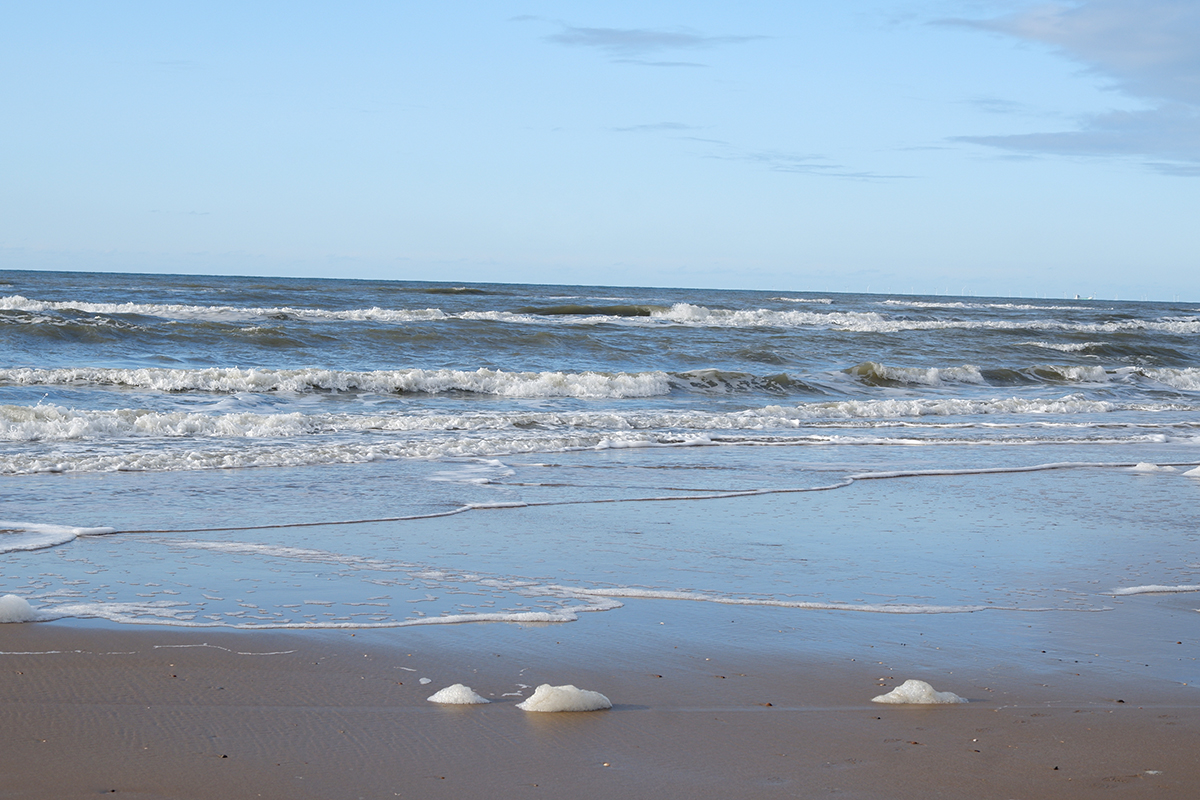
{"type": "Point", "coordinates": [1152, 589]}
{"type": "Point", "coordinates": [184, 615]}
{"type": "Point", "coordinates": [19, 536]}
{"type": "Point", "coordinates": [458, 694]}
{"type": "Point", "coordinates": [16, 609]}
{"type": "Point", "coordinates": [1193, 473]}
{"type": "Point", "coordinates": [704, 597]}
{"type": "Point", "coordinates": [1147, 467]}
{"type": "Point", "coordinates": [564, 698]}
{"type": "Point", "coordinates": [917, 692]}
{"type": "Point", "coordinates": [133, 613]}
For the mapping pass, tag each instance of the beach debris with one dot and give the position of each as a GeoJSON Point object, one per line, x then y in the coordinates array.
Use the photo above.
{"type": "Point", "coordinates": [564, 698]}
{"type": "Point", "coordinates": [917, 692]}
{"type": "Point", "coordinates": [16, 609]}
{"type": "Point", "coordinates": [458, 694]}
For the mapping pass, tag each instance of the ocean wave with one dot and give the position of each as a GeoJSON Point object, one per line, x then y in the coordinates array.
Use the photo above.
{"type": "Point", "coordinates": [873, 373]}
{"type": "Point", "coordinates": [579, 310]}
{"type": "Point", "coordinates": [178, 311]}
{"type": "Point", "coordinates": [48, 422]}
{"type": "Point", "coordinates": [1067, 347]}
{"type": "Point", "coordinates": [145, 441]}
{"type": "Point", "coordinates": [702, 316]}
{"type": "Point", "coordinates": [947, 304]}
{"type": "Point", "coordinates": [481, 381]}
{"type": "Point", "coordinates": [687, 314]}
{"type": "Point", "coordinates": [1187, 379]}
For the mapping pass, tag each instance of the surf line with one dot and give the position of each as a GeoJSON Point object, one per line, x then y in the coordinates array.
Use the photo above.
{"type": "Point", "coordinates": [842, 484]}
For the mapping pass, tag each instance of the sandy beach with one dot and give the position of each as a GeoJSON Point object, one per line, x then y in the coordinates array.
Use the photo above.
{"type": "Point", "coordinates": [710, 702]}
{"type": "Point", "coordinates": [257, 523]}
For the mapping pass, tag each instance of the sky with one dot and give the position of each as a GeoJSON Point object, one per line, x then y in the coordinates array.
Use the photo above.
{"type": "Point", "coordinates": [961, 148]}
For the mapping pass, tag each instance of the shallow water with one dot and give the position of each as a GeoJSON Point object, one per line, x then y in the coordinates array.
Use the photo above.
{"type": "Point", "coordinates": [569, 448]}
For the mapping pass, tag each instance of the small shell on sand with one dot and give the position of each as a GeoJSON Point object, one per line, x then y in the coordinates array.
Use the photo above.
{"type": "Point", "coordinates": [917, 692]}
{"type": "Point", "coordinates": [457, 694]}
{"type": "Point", "coordinates": [564, 698]}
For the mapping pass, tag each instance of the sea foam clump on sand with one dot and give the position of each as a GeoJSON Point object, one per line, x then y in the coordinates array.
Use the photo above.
{"type": "Point", "coordinates": [16, 609]}
{"type": "Point", "coordinates": [564, 698]}
{"type": "Point", "coordinates": [458, 694]}
{"type": "Point", "coordinates": [1147, 467]}
{"type": "Point", "coordinates": [918, 693]}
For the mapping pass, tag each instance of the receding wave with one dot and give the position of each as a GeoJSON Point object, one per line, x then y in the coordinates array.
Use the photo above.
{"type": "Point", "coordinates": [19, 536]}
{"type": "Point", "coordinates": [144, 440]}
{"type": "Point", "coordinates": [48, 422]}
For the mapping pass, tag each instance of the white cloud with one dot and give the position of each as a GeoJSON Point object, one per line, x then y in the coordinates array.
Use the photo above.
{"type": "Point", "coordinates": [630, 45]}
{"type": "Point", "coordinates": [1146, 49]}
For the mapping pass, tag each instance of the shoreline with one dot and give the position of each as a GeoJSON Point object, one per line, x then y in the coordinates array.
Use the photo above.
{"type": "Point", "coordinates": [714, 702]}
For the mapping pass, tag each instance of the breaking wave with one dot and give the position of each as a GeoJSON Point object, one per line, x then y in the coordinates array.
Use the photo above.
{"type": "Point", "coordinates": [401, 381]}
{"type": "Point", "coordinates": [679, 314]}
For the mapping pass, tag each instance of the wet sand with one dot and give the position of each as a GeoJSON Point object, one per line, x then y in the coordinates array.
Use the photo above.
{"type": "Point", "coordinates": [708, 702]}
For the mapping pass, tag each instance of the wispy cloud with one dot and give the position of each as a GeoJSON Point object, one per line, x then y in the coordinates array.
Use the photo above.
{"type": "Point", "coordinates": [640, 41]}
{"type": "Point", "coordinates": [636, 45]}
{"type": "Point", "coordinates": [1145, 49]}
{"type": "Point", "coordinates": [1171, 133]}
{"type": "Point", "coordinates": [998, 105]}
{"type": "Point", "coordinates": [773, 160]}
{"type": "Point", "coordinates": [657, 126]}
{"type": "Point", "coordinates": [807, 164]}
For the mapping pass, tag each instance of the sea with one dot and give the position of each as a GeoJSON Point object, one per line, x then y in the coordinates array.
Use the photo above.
{"type": "Point", "coordinates": [250, 452]}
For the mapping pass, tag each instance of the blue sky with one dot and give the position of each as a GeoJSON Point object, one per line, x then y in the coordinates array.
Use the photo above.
{"type": "Point", "coordinates": [1008, 148]}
